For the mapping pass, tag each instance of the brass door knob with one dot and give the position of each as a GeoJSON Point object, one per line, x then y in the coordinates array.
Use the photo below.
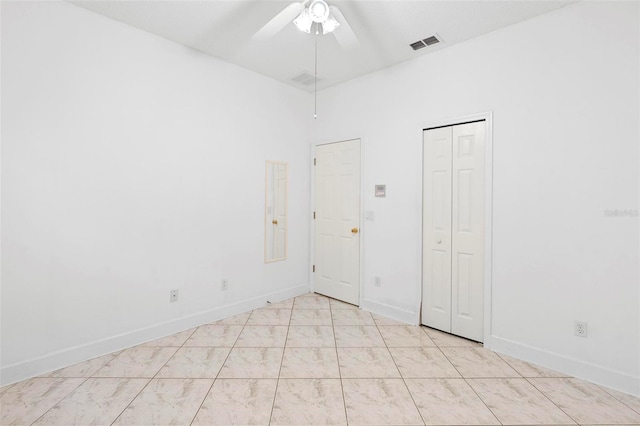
{"type": "Point", "coordinates": [274, 221]}
{"type": "Point", "coordinates": [354, 230]}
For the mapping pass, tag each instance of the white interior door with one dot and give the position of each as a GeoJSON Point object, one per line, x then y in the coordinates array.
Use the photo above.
{"type": "Point", "coordinates": [337, 221]}
{"type": "Point", "coordinates": [453, 229]}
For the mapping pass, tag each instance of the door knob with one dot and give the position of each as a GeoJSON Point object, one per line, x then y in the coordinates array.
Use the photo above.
{"type": "Point", "coordinates": [354, 230]}
{"type": "Point", "coordinates": [438, 240]}
{"type": "Point", "coordinates": [274, 221]}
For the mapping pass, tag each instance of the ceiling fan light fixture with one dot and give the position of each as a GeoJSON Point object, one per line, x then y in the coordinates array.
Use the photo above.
{"type": "Point", "coordinates": [329, 25]}
{"type": "Point", "coordinates": [318, 11]}
{"type": "Point", "coordinates": [303, 21]}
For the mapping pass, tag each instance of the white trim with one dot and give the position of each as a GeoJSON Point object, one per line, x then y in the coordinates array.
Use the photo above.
{"type": "Point", "coordinates": [363, 233]}
{"type": "Point", "coordinates": [66, 357]}
{"type": "Point", "coordinates": [597, 374]}
{"type": "Point", "coordinates": [389, 311]}
{"type": "Point", "coordinates": [312, 209]}
{"type": "Point", "coordinates": [488, 229]}
{"type": "Point", "coordinates": [312, 203]}
{"type": "Point", "coordinates": [419, 217]}
{"type": "Point", "coordinates": [488, 222]}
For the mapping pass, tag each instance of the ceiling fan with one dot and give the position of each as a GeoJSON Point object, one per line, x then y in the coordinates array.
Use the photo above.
{"type": "Point", "coordinates": [330, 18]}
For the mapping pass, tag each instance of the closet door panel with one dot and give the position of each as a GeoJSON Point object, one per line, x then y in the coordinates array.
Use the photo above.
{"type": "Point", "coordinates": [436, 225]}
{"type": "Point", "coordinates": [467, 238]}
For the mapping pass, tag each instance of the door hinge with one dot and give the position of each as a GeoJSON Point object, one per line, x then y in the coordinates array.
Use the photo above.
{"type": "Point", "coordinates": [314, 215]}
{"type": "Point", "coordinates": [314, 268]}
{"type": "Point", "coordinates": [314, 161]}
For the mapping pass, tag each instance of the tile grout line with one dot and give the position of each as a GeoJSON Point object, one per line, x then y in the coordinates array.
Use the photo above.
{"type": "Point", "coordinates": [335, 342]}
{"type": "Point", "coordinates": [536, 388]}
{"type": "Point", "coordinates": [154, 376]}
{"type": "Point", "coordinates": [80, 384]}
{"type": "Point", "coordinates": [618, 399]}
{"type": "Point", "coordinates": [502, 357]}
{"type": "Point", "coordinates": [65, 378]}
{"type": "Point", "coordinates": [61, 399]}
{"type": "Point", "coordinates": [399, 372]}
{"type": "Point", "coordinates": [527, 378]}
{"type": "Point", "coordinates": [549, 399]}
{"type": "Point", "coordinates": [219, 370]}
{"type": "Point", "coordinates": [284, 348]}
{"type": "Point", "coordinates": [467, 381]}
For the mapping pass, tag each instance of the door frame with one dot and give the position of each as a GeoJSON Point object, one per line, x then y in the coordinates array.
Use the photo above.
{"type": "Point", "coordinates": [312, 204]}
{"type": "Point", "coordinates": [488, 211]}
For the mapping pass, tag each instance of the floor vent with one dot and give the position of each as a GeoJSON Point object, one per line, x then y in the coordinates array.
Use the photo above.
{"type": "Point", "coordinates": [429, 41]}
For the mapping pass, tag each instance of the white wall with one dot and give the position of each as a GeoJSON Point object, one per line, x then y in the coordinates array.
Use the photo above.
{"type": "Point", "coordinates": [131, 166]}
{"type": "Point", "coordinates": [563, 89]}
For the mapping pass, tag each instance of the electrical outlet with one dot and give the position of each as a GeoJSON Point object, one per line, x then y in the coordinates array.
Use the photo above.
{"type": "Point", "coordinates": [173, 296]}
{"type": "Point", "coordinates": [377, 281]}
{"type": "Point", "coordinates": [224, 284]}
{"type": "Point", "coordinates": [580, 328]}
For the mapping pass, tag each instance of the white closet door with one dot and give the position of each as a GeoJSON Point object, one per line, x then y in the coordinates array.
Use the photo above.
{"type": "Point", "coordinates": [436, 261]}
{"type": "Point", "coordinates": [467, 272]}
{"type": "Point", "coordinates": [453, 229]}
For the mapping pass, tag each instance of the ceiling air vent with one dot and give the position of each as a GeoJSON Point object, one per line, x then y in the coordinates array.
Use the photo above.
{"type": "Point", "coordinates": [305, 78]}
{"type": "Point", "coordinates": [429, 41]}
{"type": "Point", "coordinates": [418, 45]}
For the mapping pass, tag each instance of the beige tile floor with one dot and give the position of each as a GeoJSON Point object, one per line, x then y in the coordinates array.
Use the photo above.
{"type": "Point", "coordinates": [310, 360]}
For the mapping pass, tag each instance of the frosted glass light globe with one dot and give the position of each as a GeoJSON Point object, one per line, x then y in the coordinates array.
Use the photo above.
{"type": "Point", "coordinates": [319, 11]}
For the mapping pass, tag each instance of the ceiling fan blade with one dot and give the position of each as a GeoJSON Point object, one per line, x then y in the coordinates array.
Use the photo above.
{"type": "Point", "coordinates": [278, 22]}
{"type": "Point", "coordinates": [344, 34]}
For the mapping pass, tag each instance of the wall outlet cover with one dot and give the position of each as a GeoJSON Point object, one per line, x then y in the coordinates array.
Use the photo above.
{"type": "Point", "coordinates": [580, 328]}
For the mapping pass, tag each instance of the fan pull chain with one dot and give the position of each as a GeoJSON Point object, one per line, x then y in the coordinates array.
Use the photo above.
{"type": "Point", "coordinates": [315, 77]}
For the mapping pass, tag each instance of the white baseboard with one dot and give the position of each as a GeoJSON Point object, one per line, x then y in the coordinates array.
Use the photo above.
{"type": "Point", "coordinates": [389, 311]}
{"type": "Point", "coordinates": [597, 374]}
{"type": "Point", "coordinates": [37, 366]}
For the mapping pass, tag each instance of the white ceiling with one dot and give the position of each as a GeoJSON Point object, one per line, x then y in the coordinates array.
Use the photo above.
{"type": "Point", "coordinates": [384, 28]}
